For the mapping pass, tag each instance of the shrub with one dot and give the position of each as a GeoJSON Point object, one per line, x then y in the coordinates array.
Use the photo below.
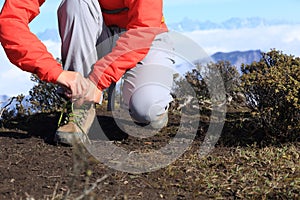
{"type": "Point", "coordinates": [206, 86]}
{"type": "Point", "coordinates": [44, 97]}
{"type": "Point", "coordinates": [229, 78]}
{"type": "Point", "coordinates": [18, 110]}
{"type": "Point", "coordinates": [272, 89]}
{"type": "Point", "coordinates": [220, 75]}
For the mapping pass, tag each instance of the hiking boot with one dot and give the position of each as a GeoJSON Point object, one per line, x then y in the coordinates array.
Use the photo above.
{"type": "Point", "coordinates": [74, 124]}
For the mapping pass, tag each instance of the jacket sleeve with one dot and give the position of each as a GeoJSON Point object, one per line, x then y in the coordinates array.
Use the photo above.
{"type": "Point", "coordinates": [145, 22]}
{"type": "Point", "coordinates": [22, 47]}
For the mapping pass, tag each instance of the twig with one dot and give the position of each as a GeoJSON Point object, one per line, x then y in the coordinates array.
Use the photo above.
{"type": "Point", "coordinates": [94, 185]}
{"type": "Point", "coordinates": [4, 107]}
{"type": "Point", "coordinates": [54, 192]}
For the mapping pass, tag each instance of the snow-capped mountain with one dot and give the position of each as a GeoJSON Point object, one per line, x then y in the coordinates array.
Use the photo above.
{"type": "Point", "coordinates": [188, 25]}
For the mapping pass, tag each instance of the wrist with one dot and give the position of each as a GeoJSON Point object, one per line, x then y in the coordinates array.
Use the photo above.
{"type": "Point", "coordinates": [98, 96]}
{"type": "Point", "coordinates": [97, 93]}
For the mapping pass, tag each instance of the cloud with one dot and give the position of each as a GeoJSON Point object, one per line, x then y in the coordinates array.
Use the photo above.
{"type": "Point", "coordinates": [285, 38]}
{"type": "Point", "coordinates": [14, 81]}
{"type": "Point", "coordinates": [53, 47]}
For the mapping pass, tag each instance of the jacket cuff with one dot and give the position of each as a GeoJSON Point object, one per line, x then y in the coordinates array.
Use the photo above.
{"type": "Point", "coordinates": [96, 80]}
{"type": "Point", "coordinates": [52, 74]}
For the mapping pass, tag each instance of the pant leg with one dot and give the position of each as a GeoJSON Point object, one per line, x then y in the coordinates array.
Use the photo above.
{"type": "Point", "coordinates": [80, 26]}
{"type": "Point", "coordinates": [147, 87]}
{"type": "Point", "coordinates": [105, 44]}
{"type": "Point", "coordinates": [85, 37]}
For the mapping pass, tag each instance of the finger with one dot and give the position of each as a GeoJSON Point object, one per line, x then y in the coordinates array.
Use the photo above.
{"type": "Point", "coordinates": [85, 87]}
{"type": "Point", "coordinates": [68, 93]}
{"type": "Point", "coordinates": [75, 84]}
{"type": "Point", "coordinates": [82, 85]}
{"type": "Point", "coordinates": [79, 102]}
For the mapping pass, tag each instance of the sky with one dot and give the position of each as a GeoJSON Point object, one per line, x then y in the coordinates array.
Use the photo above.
{"type": "Point", "coordinates": [285, 37]}
{"type": "Point", "coordinates": [220, 10]}
{"type": "Point", "coordinates": [213, 10]}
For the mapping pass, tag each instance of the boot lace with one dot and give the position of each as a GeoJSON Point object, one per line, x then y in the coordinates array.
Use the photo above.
{"type": "Point", "coordinates": [68, 115]}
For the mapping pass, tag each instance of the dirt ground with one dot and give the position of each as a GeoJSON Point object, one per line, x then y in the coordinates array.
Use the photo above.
{"type": "Point", "coordinates": [33, 167]}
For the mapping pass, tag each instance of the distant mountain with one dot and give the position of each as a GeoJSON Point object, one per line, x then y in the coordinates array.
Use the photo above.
{"type": "Point", "coordinates": [3, 98]}
{"type": "Point", "coordinates": [187, 24]}
{"type": "Point", "coordinates": [237, 58]}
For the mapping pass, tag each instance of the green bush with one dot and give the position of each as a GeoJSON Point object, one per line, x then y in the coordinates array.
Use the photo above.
{"type": "Point", "coordinates": [272, 89]}
{"type": "Point", "coordinates": [207, 87]}
{"type": "Point", "coordinates": [44, 97]}
{"type": "Point", "coordinates": [220, 75]}
{"type": "Point", "coordinates": [19, 110]}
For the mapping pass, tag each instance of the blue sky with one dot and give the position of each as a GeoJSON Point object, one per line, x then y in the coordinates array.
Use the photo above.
{"type": "Point", "coordinates": [213, 10]}
{"type": "Point", "coordinates": [287, 38]}
{"type": "Point", "coordinates": [220, 10]}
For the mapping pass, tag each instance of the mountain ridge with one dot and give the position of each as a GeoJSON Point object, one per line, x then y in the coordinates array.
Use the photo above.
{"type": "Point", "coordinates": [188, 25]}
{"type": "Point", "coordinates": [237, 58]}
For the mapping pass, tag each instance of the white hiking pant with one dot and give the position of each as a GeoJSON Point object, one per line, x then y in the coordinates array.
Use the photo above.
{"type": "Point", "coordinates": [85, 39]}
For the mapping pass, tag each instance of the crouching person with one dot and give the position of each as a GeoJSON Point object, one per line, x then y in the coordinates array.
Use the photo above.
{"type": "Point", "coordinates": [102, 41]}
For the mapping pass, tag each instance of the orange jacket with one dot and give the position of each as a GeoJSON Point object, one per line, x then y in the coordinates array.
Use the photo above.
{"type": "Point", "coordinates": [27, 52]}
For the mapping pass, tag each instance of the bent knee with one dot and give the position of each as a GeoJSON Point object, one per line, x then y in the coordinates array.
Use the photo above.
{"type": "Point", "coordinates": [149, 102]}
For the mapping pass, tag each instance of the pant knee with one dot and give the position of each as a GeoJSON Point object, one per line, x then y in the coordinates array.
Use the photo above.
{"type": "Point", "coordinates": [149, 102]}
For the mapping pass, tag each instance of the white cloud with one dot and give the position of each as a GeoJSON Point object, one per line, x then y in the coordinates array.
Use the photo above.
{"type": "Point", "coordinates": [53, 48]}
{"type": "Point", "coordinates": [285, 38]}
{"type": "Point", "coordinates": [14, 81]}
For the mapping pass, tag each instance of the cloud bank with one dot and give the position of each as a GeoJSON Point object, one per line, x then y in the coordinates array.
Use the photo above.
{"type": "Point", "coordinates": [14, 81]}
{"type": "Point", "coordinates": [286, 38]}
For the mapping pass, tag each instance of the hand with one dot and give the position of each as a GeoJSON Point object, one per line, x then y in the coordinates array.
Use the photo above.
{"type": "Point", "coordinates": [93, 94]}
{"type": "Point", "coordinates": [77, 86]}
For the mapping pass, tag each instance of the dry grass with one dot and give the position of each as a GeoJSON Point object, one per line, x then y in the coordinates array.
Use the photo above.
{"type": "Point", "coordinates": [229, 172]}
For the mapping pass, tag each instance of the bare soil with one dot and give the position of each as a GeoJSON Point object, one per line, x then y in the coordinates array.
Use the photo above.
{"type": "Point", "coordinates": [33, 167]}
